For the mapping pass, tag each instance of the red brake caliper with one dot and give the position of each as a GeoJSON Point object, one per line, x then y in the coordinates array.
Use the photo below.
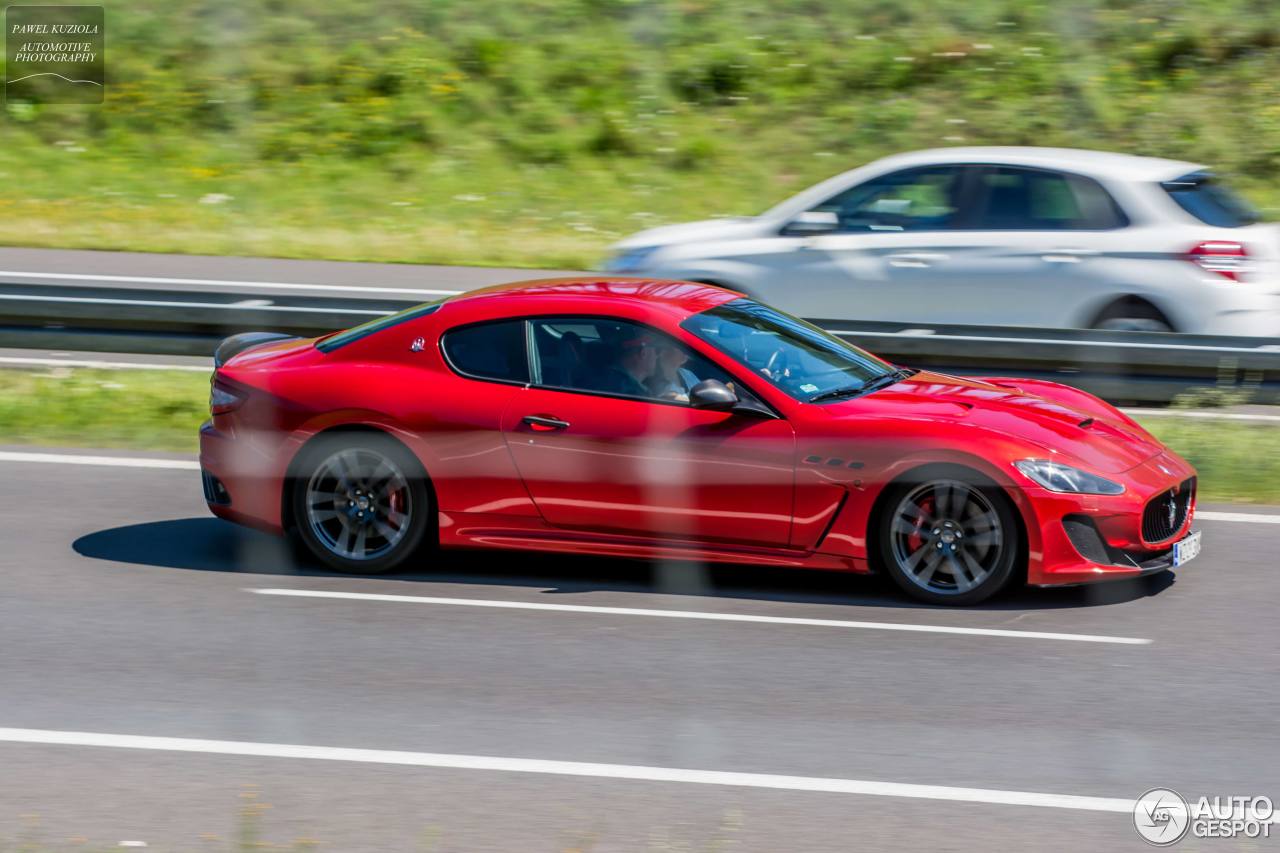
{"type": "Point", "coordinates": [916, 540]}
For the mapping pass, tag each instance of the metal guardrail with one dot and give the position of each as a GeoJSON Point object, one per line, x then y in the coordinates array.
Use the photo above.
{"type": "Point", "coordinates": [1134, 367]}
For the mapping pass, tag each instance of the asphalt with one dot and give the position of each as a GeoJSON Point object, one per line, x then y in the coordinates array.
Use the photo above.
{"type": "Point", "coordinates": [125, 611]}
{"type": "Point", "coordinates": [133, 269]}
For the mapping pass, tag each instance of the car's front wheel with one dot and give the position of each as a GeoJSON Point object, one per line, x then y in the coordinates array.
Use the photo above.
{"type": "Point", "coordinates": [360, 502]}
{"type": "Point", "coordinates": [949, 538]}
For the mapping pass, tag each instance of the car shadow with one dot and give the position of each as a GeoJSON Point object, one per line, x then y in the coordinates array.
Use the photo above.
{"type": "Point", "coordinates": [212, 545]}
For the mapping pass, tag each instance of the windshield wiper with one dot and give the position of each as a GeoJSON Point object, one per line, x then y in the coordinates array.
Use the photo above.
{"type": "Point", "coordinates": [838, 392]}
{"type": "Point", "coordinates": [882, 381]}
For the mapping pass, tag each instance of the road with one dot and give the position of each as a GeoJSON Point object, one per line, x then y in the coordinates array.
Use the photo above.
{"type": "Point", "coordinates": [128, 611]}
{"type": "Point", "coordinates": [74, 268]}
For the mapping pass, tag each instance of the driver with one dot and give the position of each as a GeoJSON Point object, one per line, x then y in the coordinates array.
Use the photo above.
{"type": "Point", "coordinates": [671, 380]}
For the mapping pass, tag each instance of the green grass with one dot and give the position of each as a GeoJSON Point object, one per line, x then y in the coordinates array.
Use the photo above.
{"type": "Point", "coordinates": [534, 133]}
{"type": "Point", "coordinates": [134, 409]}
{"type": "Point", "coordinates": [1237, 461]}
{"type": "Point", "coordinates": [161, 411]}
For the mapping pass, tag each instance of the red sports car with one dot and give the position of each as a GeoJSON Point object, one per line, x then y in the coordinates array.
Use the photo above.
{"type": "Point", "coordinates": [672, 420]}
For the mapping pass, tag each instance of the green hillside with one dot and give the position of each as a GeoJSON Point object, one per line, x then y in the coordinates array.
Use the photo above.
{"type": "Point", "coordinates": [535, 133]}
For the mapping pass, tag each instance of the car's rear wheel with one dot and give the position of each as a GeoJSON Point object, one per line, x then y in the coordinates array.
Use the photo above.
{"type": "Point", "coordinates": [360, 502]}
{"type": "Point", "coordinates": [1132, 315]}
{"type": "Point", "coordinates": [949, 538]}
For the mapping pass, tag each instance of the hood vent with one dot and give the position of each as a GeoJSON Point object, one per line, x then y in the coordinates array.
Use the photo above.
{"type": "Point", "coordinates": [1086, 423]}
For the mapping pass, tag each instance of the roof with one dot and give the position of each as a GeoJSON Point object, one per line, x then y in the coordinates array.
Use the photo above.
{"type": "Point", "coordinates": [1100, 163]}
{"type": "Point", "coordinates": [687, 296]}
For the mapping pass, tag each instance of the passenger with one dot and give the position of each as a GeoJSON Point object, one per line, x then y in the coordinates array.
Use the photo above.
{"type": "Point", "coordinates": [635, 360]}
{"type": "Point", "coordinates": [670, 379]}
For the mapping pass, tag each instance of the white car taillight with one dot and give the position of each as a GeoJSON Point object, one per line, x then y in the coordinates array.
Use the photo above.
{"type": "Point", "coordinates": [1224, 257]}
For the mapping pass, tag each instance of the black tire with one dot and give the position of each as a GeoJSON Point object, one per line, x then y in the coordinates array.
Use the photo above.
{"type": "Point", "coordinates": [1132, 316]}
{"type": "Point", "coordinates": [926, 552]}
{"type": "Point", "coordinates": [359, 502]}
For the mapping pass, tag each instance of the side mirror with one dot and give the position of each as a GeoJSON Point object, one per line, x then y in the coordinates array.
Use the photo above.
{"type": "Point", "coordinates": [812, 223]}
{"type": "Point", "coordinates": [713, 395]}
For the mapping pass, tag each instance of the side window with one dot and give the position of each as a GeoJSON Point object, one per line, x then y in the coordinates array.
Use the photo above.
{"type": "Point", "coordinates": [1012, 199]}
{"type": "Point", "coordinates": [615, 357]}
{"type": "Point", "coordinates": [912, 200]}
{"type": "Point", "coordinates": [488, 351]}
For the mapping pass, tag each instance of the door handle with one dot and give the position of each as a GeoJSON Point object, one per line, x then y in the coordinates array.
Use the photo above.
{"type": "Point", "coordinates": [545, 423]}
{"type": "Point", "coordinates": [916, 259]}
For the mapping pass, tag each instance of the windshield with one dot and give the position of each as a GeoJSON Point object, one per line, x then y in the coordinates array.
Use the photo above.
{"type": "Point", "coordinates": [1207, 199]}
{"type": "Point", "coordinates": [801, 359]}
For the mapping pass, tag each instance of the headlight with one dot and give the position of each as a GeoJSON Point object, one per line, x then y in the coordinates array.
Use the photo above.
{"type": "Point", "coordinates": [629, 260]}
{"type": "Point", "coordinates": [1057, 477]}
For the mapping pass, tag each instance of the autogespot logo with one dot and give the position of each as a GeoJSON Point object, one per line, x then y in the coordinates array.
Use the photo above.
{"type": "Point", "coordinates": [1161, 816]}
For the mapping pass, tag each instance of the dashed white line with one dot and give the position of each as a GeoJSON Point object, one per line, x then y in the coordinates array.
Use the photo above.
{"type": "Point", "coordinates": [1205, 414]}
{"type": "Point", "coordinates": [160, 303]}
{"type": "Point", "coordinates": [1066, 341]}
{"type": "Point", "coordinates": [108, 461]}
{"type": "Point", "coordinates": [571, 768]}
{"type": "Point", "coordinates": [353, 290]}
{"type": "Point", "coordinates": [1247, 517]}
{"type": "Point", "coordinates": [95, 364]}
{"type": "Point", "coordinates": [701, 615]}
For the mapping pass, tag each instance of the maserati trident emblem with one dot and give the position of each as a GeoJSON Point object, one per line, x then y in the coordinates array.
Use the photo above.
{"type": "Point", "coordinates": [417, 345]}
{"type": "Point", "coordinates": [1172, 508]}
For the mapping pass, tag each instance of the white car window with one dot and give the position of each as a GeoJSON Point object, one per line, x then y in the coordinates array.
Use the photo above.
{"type": "Point", "coordinates": [1013, 199]}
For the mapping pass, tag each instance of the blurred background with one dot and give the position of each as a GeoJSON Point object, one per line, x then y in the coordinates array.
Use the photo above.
{"type": "Point", "coordinates": [537, 133]}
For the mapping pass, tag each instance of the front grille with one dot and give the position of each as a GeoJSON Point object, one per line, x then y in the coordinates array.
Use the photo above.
{"type": "Point", "coordinates": [1165, 513]}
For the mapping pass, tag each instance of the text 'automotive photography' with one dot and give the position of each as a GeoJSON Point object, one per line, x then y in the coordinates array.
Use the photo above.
{"type": "Point", "coordinates": [640, 425]}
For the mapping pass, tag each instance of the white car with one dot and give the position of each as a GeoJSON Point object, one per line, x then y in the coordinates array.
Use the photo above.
{"type": "Point", "coordinates": [995, 236]}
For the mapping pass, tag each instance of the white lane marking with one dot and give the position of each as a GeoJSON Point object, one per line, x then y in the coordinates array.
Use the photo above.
{"type": "Point", "coordinates": [1199, 413]}
{"type": "Point", "coordinates": [101, 365]}
{"type": "Point", "coordinates": [997, 339]}
{"type": "Point", "coordinates": [220, 282]}
{"type": "Point", "coordinates": [1248, 517]}
{"type": "Point", "coordinates": [159, 303]}
{"type": "Point", "coordinates": [569, 768]}
{"type": "Point", "coordinates": [110, 461]}
{"type": "Point", "coordinates": [694, 614]}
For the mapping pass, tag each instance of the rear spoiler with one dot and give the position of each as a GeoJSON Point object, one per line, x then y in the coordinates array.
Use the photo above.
{"type": "Point", "coordinates": [236, 344]}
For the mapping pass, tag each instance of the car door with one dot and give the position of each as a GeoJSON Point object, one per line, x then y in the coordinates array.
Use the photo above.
{"type": "Point", "coordinates": [601, 451]}
{"type": "Point", "coordinates": [1040, 245]}
{"type": "Point", "coordinates": [894, 236]}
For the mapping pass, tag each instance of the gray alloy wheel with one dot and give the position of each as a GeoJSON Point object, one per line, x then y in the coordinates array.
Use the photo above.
{"type": "Point", "coordinates": [359, 504]}
{"type": "Point", "coordinates": [949, 540]}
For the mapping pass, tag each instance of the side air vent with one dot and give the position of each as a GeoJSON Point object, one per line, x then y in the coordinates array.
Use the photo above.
{"type": "Point", "coordinates": [832, 462]}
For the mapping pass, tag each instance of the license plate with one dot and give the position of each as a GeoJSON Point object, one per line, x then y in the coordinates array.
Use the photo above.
{"type": "Point", "coordinates": [1186, 550]}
